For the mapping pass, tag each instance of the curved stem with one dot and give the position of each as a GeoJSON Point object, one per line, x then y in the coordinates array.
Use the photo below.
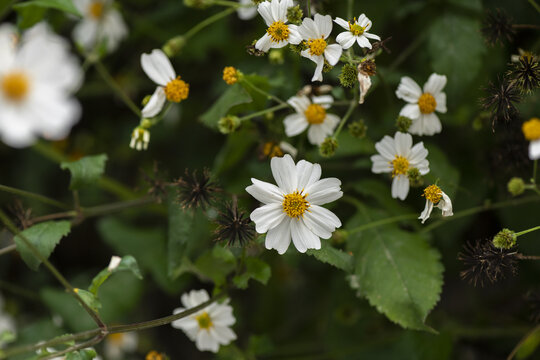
{"type": "Point", "coordinates": [102, 70]}
{"type": "Point", "coordinates": [8, 249]}
{"type": "Point", "coordinates": [349, 112]}
{"type": "Point", "coordinates": [208, 21]}
{"type": "Point", "coordinates": [34, 196]}
{"type": "Point", "coordinates": [528, 231]}
{"type": "Point", "coordinates": [383, 222]}
{"type": "Point", "coordinates": [262, 92]}
{"type": "Point", "coordinates": [263, 112]}
{"type": "Point", "coordinates": [76, 347]}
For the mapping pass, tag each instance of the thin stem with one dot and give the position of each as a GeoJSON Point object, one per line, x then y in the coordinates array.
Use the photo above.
{"type": "Point", "coordinates": [208, 21]}
{"type": "Point", "coordinates": [102, 70]}
{"type": "Point", "coordinates": [309, 8]}
{"type": "Point", "coordinates": [350, 9]}
{"type": "Point", "coordinates": [263, 112]}
{"type": "Point", "coordinates": [34, 196]}
{"type": "Point", "coordinates": [61, 215]}
{"type": "Point", "coordinates": [232, 4]}
{"type": "Point", "coordinates": [76, 347]}
{"type": "Point", "coordinates": [352, 106]}
{"type": "Point", "coordinates": [526, 26]}
{"type": "Point", "coordinates": [109, 208]}
{"type": "Point", "coordinates": [522, 341]}
{"type": "Point", "coordinates": [535, 167]}
{"type": "Point", "coordinates": [8, 249]}
{"type": "Point", "coordinates": [535, 5]}
{"type": "Point", "coordinates": [528, 231]}
{"type": "Point", "coordinates": [409, 50]}
{"type": "Point", "coordinates": [264, 93]}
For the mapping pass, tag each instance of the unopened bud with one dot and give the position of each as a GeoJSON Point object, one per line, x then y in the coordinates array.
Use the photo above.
{"type": "Point", "coordinates": [415, 178]}
{"type": "Point", "coordinates": [348, 76]}
{"type": "Point", "coordinates": [516, 186]}
{"type": "Point", "coordinates": [228, 124]}
{"type": "Point", "coordinates": [505, 239]}
{"type": "Point", "coordinates": [174, 45]}
{"type": "Point", "coordinates": [403, 124]}
{"type": "Point", "coordinates": [295, 15]}
{"type": "Point", "coordinates": [328, 147]}
{"type": "Point", "coordinates": [358, 129]}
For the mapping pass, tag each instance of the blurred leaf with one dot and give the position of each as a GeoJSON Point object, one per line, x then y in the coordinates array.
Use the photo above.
{"type": "Point", "coordinates": [180, 232]}
{"type": "Point", "coordinates": [234, 95]}
{"type": "Point", "coordinates": [333, 256]}
{"type": "Point", "coordinates": [468, 4]}
{"type": "Point", "coordinates": [255, 269]}
{"type": "Point", "coordinates": [261, 82]}
{"type": "Point", "coordinates": [440, 168]}
{"type": "Point", "coordinates": [260, 345]}
{"type": "Point", "coordinates": [529, 345]}
{"type": "Point", "coordinates": [237, 145]}
{"type": "Point", "coordinates": [216, 264]}
{"type": "Point", "coordinates": [128, 263]}
{"type": "Point", "coordinates": [381, 192]}
{"type": "Point", "coordinates": [90, 299]}
{"type": "Point", "coordinates": [62, 5]}
{"type": "Point", "coordinates": [86, 354]}
{"type": "Point", "coordinates": [86, 171]}
{"type": "Point", "coordinates": [63, 304]}
{"type": "Point", "coordinates": [44, 236]}
{"type": "Point", "coordinates": [29, 14]}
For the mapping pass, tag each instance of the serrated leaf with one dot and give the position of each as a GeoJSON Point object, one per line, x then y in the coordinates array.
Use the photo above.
{"type": "Point", "coordinates": [85, 171]}
{"type": "Point", "coordinates": [62, 5]}
{"type": "Point", "coordinates": [333, 256]}
{"type": "Point", "coordinates": [234, 95]}
{"type": "Point", "coordinates": [397, 271]}
{"type": "Point", "coordinates": [128, 263]}
{"type": "Point", "coordinates": [255, 269]}
{"type": "Point", "coordinates": [216, 264]}
{"type": "Point", "coordinates": [44, 237]}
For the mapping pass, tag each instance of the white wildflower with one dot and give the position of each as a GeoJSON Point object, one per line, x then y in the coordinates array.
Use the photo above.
{"type": "Point", "coordinates": [436, 197]}
{"type": "Point", "coordinates": [279, 33]}
{"type": "Point", "coordinates": [357, 31]}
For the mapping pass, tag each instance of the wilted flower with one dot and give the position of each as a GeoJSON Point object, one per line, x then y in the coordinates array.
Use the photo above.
{"type": "Point", "coordinates": [526, 72]}
{"type": "Point", "coordinates": [497, 27]}
{"type": "Point", "coordinates": [196, 191]}
{"type": "Point", "coordinates": [500, 100]}
{"type": "Point", "coordinates": [234, 226]}
{"type": "Point", "coordinates": [140, 138]}
{"type": "Point", "coordinates": [436, 197]}
{"type": "Point", "coordinates": [357, 31]}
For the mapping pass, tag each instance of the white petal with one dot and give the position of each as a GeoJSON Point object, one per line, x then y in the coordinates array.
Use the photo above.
{"type": "Point", "coordinates": [295, 124]}
{"type": "Point", "coordinates": [380, 164]}
{"type": "Point", "coordinates": [317, 133]}
{"type": "Point", "coordinates": [445, 205]}
{"type": "Point", "coordinates": [408, 90]}
{"type": "Point", "coordinates": [264, 43]}
{"type": "Point", "coordinates": [324, 217]}
{"type": "Point", "coordinates": [400, 187]}
{"type": "Point", "coordinates": [85, 33]}
{"type": "Point", "coordinates": [7, 36]}
{"type": "Point", "coordinates": [324, 25]}
{"type": "Point", "coordinates": [158, 67]}
{"type": "Point", "coordinates": [302, 237]}
{"type": "Point", "coordinates": [308, 29]}
{"type": "Point", "coordinates": [386, 147]}
{"type": "Point", "coordinates": [223, 334]}
{"type": "Point", "coordinates": [427, 211]}
{"type": "Point", "coordinates": [363, 42]}
{"type": "Point", "coordinates": [294, 35]}
{"type": "Point", "coordinates": [321, 189]}
{"type": "Point", "coordinates": [403, 143]}
{"type": "Point", "coordinates": [317, 75]}
{"type": "Point", "coordinates": [155, 104]}
{"type": "Point", "coordinates": [412, 111]}
{"type": "Point", "coordinates": [288, 148]}
{"type": "Point", "coordinates": [372, 36]}
{"type": "Point", "coordinates": [279, 237]}
{"type": "Point", "coordinates": [267, 217]}
{"type": "Point", "coordinates": [435, 84]}
{"type": "Point", "coordinates": [308, 173]}
{"type": "Point", "coordinates": [324, 100]}
{"type": "Point", "coordinates": [534, 150]}
{"type": "Point", "coordinates": [265, 192]}
{"type": "Point", "coordinates": [299, 103]}
{"type": "Point", "coordinates": [418, 153]}
{"type": "Point", "coordinates": [284, 172]}
{"type": "Point", "coordinates": [332, 53]}
{"type": "Point", "coordinates": [346, 39]}
{"type": "Point", "coordinates": [343, 23]}
{"type": "Point", "coordinates": [246, 13]}
{"type": "Point", "coordinates": [266, 12]}
{"type": "Point", "coordinates": [440, 98]}
{"type": "Point", "coordinates": [205, 342]}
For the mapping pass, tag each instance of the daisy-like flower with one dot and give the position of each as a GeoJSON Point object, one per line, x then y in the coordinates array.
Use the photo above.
{"type": "Point", "coordinates": [247, 10]}
{"type": "Point", "coordinates": [436, 197]}
{"type": "Point", "coordinates": [209, 327]}
{"type": "Point", "coordinates": [158, 68]}
{"type": "Point", "coordinates": [312, 114]}
{"type": "Point", "coordinates": [397, 156]}
{"type": "Point", "coordinates": [278, 34]}
{"type": "Point", "coordinates": [101, 22]}
{"type": "Point", "coordinates": [314, 33]}
{"type": "Point", "coordinates": [116, 345]}
{"type": "Point", "coordinates": [38, 74]}
{"type": "Point", "coordinates": [423, 103]}
{"type": "Point", "coordinates": [292, 209]}
{"type": "Point", "coordinates": [531, 131]}
{"type": "Point", "coordinates": [357, 31]}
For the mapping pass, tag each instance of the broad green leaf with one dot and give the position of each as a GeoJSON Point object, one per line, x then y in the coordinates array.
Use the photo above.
{"type": "Point", "coordinates": [234, 95]}
{"type": "Point", "coordinates": [62, 5]}
{"type": "Point", "coordinates": [397, 271]}
{"type": "Point", "coordinates": [85, 171]}
{"type": "Point", "coordinates": [128, 263]}
{"type": "Point", "coordinates": [216, 264]}
{"type": "Point", "coordinates": [333, 256]}
{"type": "Point", "coordinates": [65, 305]}
{"type": "Point", "coordinates": [44, 237]}
{"type": "Point", "coordinates": [255, 269]}
{"type": "Point", "coordinates": [529, 345]}
{"type": "Point", "coordinates": [181, 222]}
{"type": "Point", "coordinates": [90, 299]}
{"type": "Point", "coordinates": [28, 14]}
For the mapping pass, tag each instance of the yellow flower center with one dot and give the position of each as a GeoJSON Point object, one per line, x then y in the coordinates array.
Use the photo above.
{"type": "Point", "coordinates": [230, 75]}
{"type": "Point", "coordinates": [531, 129]}
{"type": "Point", "coordinates": [278, 31]}
{"type": "Point", "coordinates": [295, 204]}
{"type": "Point", "coordinates": [315, 114]}
{"type": "Point", "coordinates": [204, 321]}
{"type": "Point", "coordinates": [316, 46]}
{"type": "Point", "coordinates": [271, 149]}
{"type": "Point", "coordinates": [427, 103]}
{"type": "Point", "coordinates": [177, 90]}
{"type": "Point", "coordinates": [154, 355]}
{"type": "Point", "coordinates": [356, 29]}
{"type": "Point", "coordinates": [116, 339]}
{"type": "Point", "coordinates": [433, 193]}
{"type": "Point", "coordinates": [96, 9]}
{"type": "Point", "coordinates": [400, 165]}
{"type": "Point", "coordinates": [15, 86]}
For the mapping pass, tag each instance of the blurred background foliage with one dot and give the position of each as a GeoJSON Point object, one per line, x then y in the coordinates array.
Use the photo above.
{"type": "Point", "coordinates": [307, 310]}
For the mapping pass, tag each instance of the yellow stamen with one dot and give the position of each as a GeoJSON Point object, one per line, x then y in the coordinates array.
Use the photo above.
{"type": "Point", "coordinates": [295, 204]}
{"type": "Point", "coordinates": [433, 193]}
{"type": "Point", "coordinates": [278, 31]}
{"type": "Point", "coordinates": [315, 114]}
{"type": "Point", "coordinates": [316, 46]}
{"type": "Point", "coordinates": [15, 86]}
{"type": "Point", "coordinates": [400, 165]}
{"type": "Point", "coordinates": [177, 90]}
{"type": "Point", "coordinates": [271, 149]}
{"type": "Point", "coordinates": [531, 129]}
{"type": "Point", "coordinates": [230, 75]}
{"type": "Point", "coordinates": [356, 29]}
{"type": "Point", "coordinates": [204, 321]}
{"type": "Point", "coordinates": [96, 9]}
{"type": "Point", "coordinates": [427, 103]}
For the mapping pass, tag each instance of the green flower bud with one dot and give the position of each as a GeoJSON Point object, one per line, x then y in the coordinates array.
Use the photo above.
{"type": "Point", "coordinates": [174, 45]}
{"type": "Point", "coordinates": [349, 76]}
{"type": "Point", "coordinates": [339, 237]}
{"type": "Point", "coordinates": [505, 239]}
{"type": "Point", "coordinates": [415, 178]}
{"type": "Point", "coordinates": [403, 123]}
{"type": "Point", "coordinates": [276, 56]}
{"type": "Point", "coordinates": [357, 129]}
{"type": "Point", "coordinates": [328, 147]}
{"type": "Point", "coordinates": [145, 100]}
{"type": "Point", "coordinates": [146, 123]}
{"type": "Point", "coordinates": [297, 49]}
{"type": "Point", "coordinates": [228, 124]}
{"type": "Point", "coordinates": [327, 67]}
{"type": "Point", "coordinates": [295, 15]}
{"type": "Point", "coordinates": [516, 186]}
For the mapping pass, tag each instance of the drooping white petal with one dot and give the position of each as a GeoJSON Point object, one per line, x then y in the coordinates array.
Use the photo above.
{"type": "Point", "coordinates": [158, 67]}
{"type": "Point", "coordinates": [445, 204]}
{"type": "Point", "coordinates": [155, 104]}
{"type": "Point", "coordinates": [302, 237]}
{"type": "Point", "coordinates": [427, 211]}
{"type": "Point", "coordinates": [332, 53]}
{"type": "Point", "coordinates": [205, 342]}
{"type": "Point", "coordinates": [324, 217]}
{"type": "Point", "coordinates": [316, 134]}
{"type": "Point", "coordinates": [279, 238]}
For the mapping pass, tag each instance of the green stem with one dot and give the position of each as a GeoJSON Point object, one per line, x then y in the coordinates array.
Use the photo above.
{"type": "Point", "coordinates": [309, 8]}
{"type": "Point", "coordinates": [263, 112]}
{"type": "Point", "coordinates": [34, 196]}
{"type": "Point", "coordinates": [522, 342]}
{"type": "Point", "coordinates": [207, 22]}
{"type": "Point", "coordinates": [535, 5]}
{"type": "Point", "coordinates": [383, 222]}
{"type": "Point", "coordinates": [76, 347]}
{"type": "Point", "coordinates": [528, 231]}
{"type": "Point", "coordinates": [535, 167]}
{"type": "Point", "coordinates": [121, 205]}
{"type": "Point", "coordinates": [350, 9]}
{"type": "Point", "coordinates": [262, 92]}
{"type": "Point", "coordinates": [102, 70]}
{"type": "Point", "coordinates": [352, 106]}
{"type": "Point", "coordinates": [232, 4]}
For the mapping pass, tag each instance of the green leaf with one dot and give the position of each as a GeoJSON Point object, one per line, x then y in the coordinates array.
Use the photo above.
{"type": "Point", "coordinates": [86, 354]}
{"type": "Point", "coordinates": [28, 14]}
{"type": "Point", "coordinates": [333, 256]}
{"type": "Point", "coordinates": [397, 271]}
{"type": "Point", "coordinates": [234, 95]}
{"type": "Point", "coordinates": [128, 263]}
{"type": "Point", "coordinates": [62, 5]}
{"type": "Point", "coordinates": [86, 171]}
{"type": "Point", "coordinates": [90, 299]}
{"type": "Point", "coordinates": [44, 237]}
{"type": "Point", "coordinates": [180, 232]}
{"type": "Point", "coordinates": [255, 269]}
{"type": "Point", "coordinates": [216, 264]}
{"type": "Point", "coordinates": [528, 346]}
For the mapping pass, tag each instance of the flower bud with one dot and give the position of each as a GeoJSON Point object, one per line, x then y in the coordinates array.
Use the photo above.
{"type": "Point", "coordinates": [145, 100]}
{"type": "Point", "coordinates": [295, 15]}
{"type": "Point", "coordinates": [403, 123]}
{"type": "Point", "coordinates": [357, 129]}
{"type": "Point", "coordinates": [174, 45]}
{"type": "Point", "coordinates": [505, 239]}
{"type": "Point", "coordinates": [328, 147]}
{"type": "Point", "coordinates": [348, 76]}
{"type": "Point", "coordinates": [228, 124]}
{"type": "Point", "coordinates": [516, 186]}
{"type": "Point", "coordinates": [415, 178]}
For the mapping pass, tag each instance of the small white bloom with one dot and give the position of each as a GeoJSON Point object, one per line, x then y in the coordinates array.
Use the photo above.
{"type": "Point", "coordinates": [38, 75]}
{"type": "Point", "coordinates": [158, 68]}
{"type": "Point", "coordinates": [247, 10]}
{"type": "Point", "coordinates": [140, 138]}
{"type": "Point", "coordinates": [278, 34]}
{"type": "Point", "coordinates": [115, 261]}
{"type": "Point", "coordinates": [311, 114]}
{"type": "Point", "coordinates": [436, 197]}
{"type": "Point", "coordinates": [423, 104]}
{"type": "Point", "coordinates": [398, 156]}
{"type": "Point", "coordinates": [101, 22]}
{"type": "Point", "coordinates": [292, 209]}
{"type": "Point", "coordinates": [209, 327]}
{"type": "Point", "coordinates": [119, 343]}
{"type": "Point", "coordinates": [357, 31]}
{"type": "Point", "coordinates": [314, 33]}
{"type": "Point", "coordinates": [531, 131]}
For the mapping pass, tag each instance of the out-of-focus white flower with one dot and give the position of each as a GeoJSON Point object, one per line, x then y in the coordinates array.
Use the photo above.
{"type": "Point", "coordinates": [531, 131]}
{"type": "Point", "coordinates": [357, 31]}
{"type": "Point", "coordinates": [247, 10]}
{"type": "Point", "coordinates": [292, 209]}
{"type": "Point", "coordinates": [101, 22]}
{"type": "Point", "coordinates": [423, 103]}
{"type": "Point", "coordinates": [279, 33]}
{"type": "Point", "coordinates": [115, 261]}
{"type": "Point", "coordinates": [209, 327]}
{"type": "Point", "coordinates": [140, 138]}
{"type": "Point", "coordinates": [38, 76]}
{"type": "Point", "coordinates": [116, 345]}
{"type": "Point", "coordinates": [436, 197]}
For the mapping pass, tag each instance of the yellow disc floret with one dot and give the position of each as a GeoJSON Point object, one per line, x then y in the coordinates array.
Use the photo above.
{"type": "Point", "coordinates": [15, 86]}
{"type": "Point", "coordinates": [400, 166]}
{"type": "Point", "coordinates": [96, 9]}
{"type": "Point", "coordinates": [177, 90]}
{"type": "Point", "coordinates": [427, 103]}
{"type": "Point", "coordinates": [271, 149]}
{"type": "Point", "coordinates": [278, 31]}
{"type": "Point", "coordinates": [204, 321]}
{"type": "Point", "coordinates": [154, 355]}
{"type": "Point", "coordinates": [230, 75]}
{"type": "Point", "coordinates": [433, 193]}
{"type": "Point", "coordinates": [317, 46]}
{"type": "Point", "coordinates": [315, 114]}
{"type": "Point", "coordinates": [531, 129]}
{"type": "Point", "coordinates": [356, 29]}
{"type": "Point", "coordinates": [295, 204]}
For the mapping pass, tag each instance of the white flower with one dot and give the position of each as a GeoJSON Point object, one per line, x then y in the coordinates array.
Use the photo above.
{"type": "Point", "coordinates": [278, 34]}
{"type": "Point", "coordinates": [423, 104]}
{"type": "Point", "coordinates": [436, 197]}
{"type": "Point", "coordinates": [158, 68]}
{"type": "Point", "coordinates": [312, 114]}
{"type": "Point", "coordinates": [398, 156]}
{"type": "Point", "coordinates": [37, 77]}
{"type": "Point", "coordinates": [315, 32]}
{"type": "Point", "coordinates": [357, 31]}
{"type": "Point", "coordinates": [247, 10]}
{"type": "Point", "coordinates": [101, 22]}
{"type": "Point", "coordinates": [115, 261]}
{"type": "Point", "coordinates": [531, 131]}
{"type": "Point", "coordinates": [209, 327]}
{"type": "Point", "coordinates": [119, 343]}
{"type": "Point", "coordinates": [140, 138]}
{"type": "Point", "coordinates": [292, 209]}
